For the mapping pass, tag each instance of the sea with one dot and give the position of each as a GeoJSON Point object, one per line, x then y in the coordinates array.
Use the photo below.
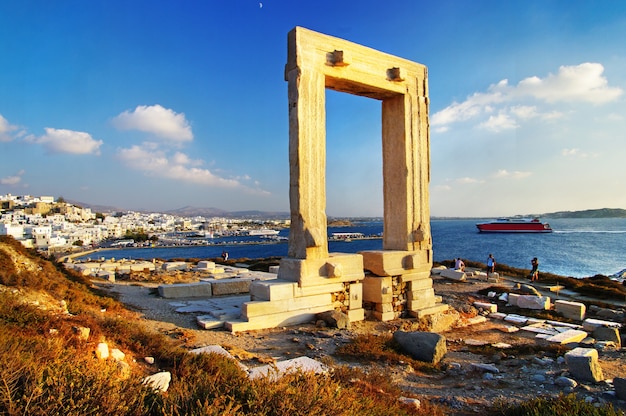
{"type": "Point", "coordinates": [577, 248]}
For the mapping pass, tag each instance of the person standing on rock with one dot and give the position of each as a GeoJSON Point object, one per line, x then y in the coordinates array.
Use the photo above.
{"type": "Point", "coordinates": [534, 273]}
{"type": "Point", "coordinates": [491, 264]}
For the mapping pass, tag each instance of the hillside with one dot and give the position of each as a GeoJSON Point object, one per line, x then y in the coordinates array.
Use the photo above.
{"type": "Point", "coordinates": [55, 327]}
{"type": "Point", "coordinates": [589, 213]}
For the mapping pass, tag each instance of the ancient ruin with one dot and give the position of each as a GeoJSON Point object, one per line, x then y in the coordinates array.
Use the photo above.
{"type": "Point", "coordinates": [394, 281]}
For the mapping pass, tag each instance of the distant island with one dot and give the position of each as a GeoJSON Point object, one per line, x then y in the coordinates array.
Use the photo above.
{"type": "Point", "coordinates": [588, 213]}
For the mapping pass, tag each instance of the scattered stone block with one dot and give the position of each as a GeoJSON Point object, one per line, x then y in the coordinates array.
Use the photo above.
{"type": "Point", "coordinates": [571, 310]}
{"type": "Point", "coordinates": [497, 315]}
{"type": "Point", "coordinates": [508, 329]}
{"type": "Point", "coordinates": [533, 302]}
{"type": "Point", "coordinates": [159, 382]}
{"type": "Point", "coordinates": [218, 349]}
{"type": "Point", "coordinates": [516, 319]}
{"type": "Point", "coordinates": [436, 271]}
{"type": "Point", "coordinates": [475, 342]}
{"type": "Point", "coordinates": [611, 334]}
{"type": "Point", "coordinates": [529, 290]}
{"type": "Point", "coordinates": [205, 265]}
{"type": "Point", "coordinates": [335, 319]}
{"type": "Point", "coordinates": [590, 324]}
{"type": "Point", "coordinates": [568, 337]}
{"type": "Point", "coordinates": [501, 345]}
{"type": "Point", "coordinates": [620, 387]}
{"type": "Point", "coordinates": [512, 299]}
{"type": "Point", "coordinates": [275, 371]}
{"type": "Point", "coordinates": [231, 286]}
{"type": "Point", "coordinates": [583, 364]}
{"type": "Point", "coordinates": [540, 328]}
{"type": "Point", "coordinates": [492, 308]}
{"type": "Point", "coordinates": [209, 322]}
{"type": "Point", "coordinates": [564, 324]}
{"type": "Point", "coordinates": [423, 346]}
{"type": "Point", "coordinates": [479, 319]}
{"type": "Point", "coordinates": [455, 275]}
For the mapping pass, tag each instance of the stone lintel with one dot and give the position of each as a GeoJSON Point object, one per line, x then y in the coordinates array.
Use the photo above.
{"type": "Point", "coordinates": [353, 68]}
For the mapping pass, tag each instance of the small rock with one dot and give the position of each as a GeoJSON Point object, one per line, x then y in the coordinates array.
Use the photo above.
{"type": "Point", "coordinates": [159, 381]}
{"type": "Point", "coordinates": [102, 351]}
{"type": "Point", "coordinates": [410, 401]}
{"type": "Point", "coordinates": [149, 360]}
{"type": "Point", "coordinates": [538, 378]}
{"type": "Point", "coordinates": [486, 367]}
{"type": "Point", "coordinates": [117, 355]}
{"type": "Point", "coordinates": [565, 382]}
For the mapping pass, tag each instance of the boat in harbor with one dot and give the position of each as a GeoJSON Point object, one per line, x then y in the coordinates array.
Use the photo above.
{"type": "Point", "coordinates": [514, 225]}
{"type": "Point", "coordinates": [262, 232]}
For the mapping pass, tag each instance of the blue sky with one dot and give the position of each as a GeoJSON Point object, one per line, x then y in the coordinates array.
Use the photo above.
{"type": "Point", "coordinates": [163, 104]}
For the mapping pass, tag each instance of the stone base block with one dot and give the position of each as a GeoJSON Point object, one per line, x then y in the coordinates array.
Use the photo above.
{"type": "Point", "coordinates": [185, 290]}
{"type": "Point", "coordinates": [356, 296]}
{"type": "Point", "coordinates": [262, 308]}
{"type": "Point", "coordinates": [419, 304]}
{"type": "Point", "coordinates": [275, 320]}
{"type": "Point", "coordinates": [231, 286]}
{"type": "Point", "coordinates": [385, 316]}
{"type": "Point", "coordinates": [356, 315]}
{"type": "Point", "coordinates": [420, 284]}
{"type": "Point", "coordinates": [421, 294]}
{"type": "Point", "coordinates": [377, 289]}
{"type": "Point", "coordinates": [571, 310]}
{"type": "Point", "coordinates": [396, 262]}
{"type": "Point", "coordinates": [337, 267]}
{"type": "Point", "coordinates": [272, 289]}
{"type": "Point", "coordinates": [428, 311]}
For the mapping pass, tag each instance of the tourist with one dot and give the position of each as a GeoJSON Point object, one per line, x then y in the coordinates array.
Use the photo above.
{"type": "Point", "coordinates": [491, 264]}
{"type": "Point", "coordinates": [459, 265]}
{"type": "Point", "coordinates": [224, 255]}
{"type": "Point", "coordinates": [534, 273]}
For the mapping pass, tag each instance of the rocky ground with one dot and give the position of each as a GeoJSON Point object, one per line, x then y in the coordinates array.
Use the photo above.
{"type": "Point", "coordinates": [523, 370]}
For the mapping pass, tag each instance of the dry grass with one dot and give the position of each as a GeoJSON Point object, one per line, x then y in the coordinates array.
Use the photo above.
{"type": "Point", "coordinates": [46, 369]}
{"type": "Point", "coordinates": [563, 405]}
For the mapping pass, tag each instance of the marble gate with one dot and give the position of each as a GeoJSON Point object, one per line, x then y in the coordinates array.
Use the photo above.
{"type": "Point", "coordinates": [391, 282]}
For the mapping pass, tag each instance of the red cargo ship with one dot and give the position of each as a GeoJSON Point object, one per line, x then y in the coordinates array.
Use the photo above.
{"type": "Point", "coordinates": [514, 225]}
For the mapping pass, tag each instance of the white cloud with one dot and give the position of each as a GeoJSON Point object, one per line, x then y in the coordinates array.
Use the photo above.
{"type": "Point", "coordinates": [155, 119]}
{"type": "Point", "coordinates": [499, 123]}
{"type": "Point", "coordinates": [179, 166]}
{"type": "Point", "coordinates": [467, 180]}
{"type": "Point", "coordinates": [577, 153]}
{"type": "Point", "coordinates": [5, 130]}
{"type": "Point", "coordinates": [67, 141]}
{"type": "Point", "coordinates": [12, 180]}
{"type": "Point", "coordinates": [503, 173]}
{"type": "Point", "coordinates": [580, 83]}
{"type": "Point", "coordinates": [584, 83]}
